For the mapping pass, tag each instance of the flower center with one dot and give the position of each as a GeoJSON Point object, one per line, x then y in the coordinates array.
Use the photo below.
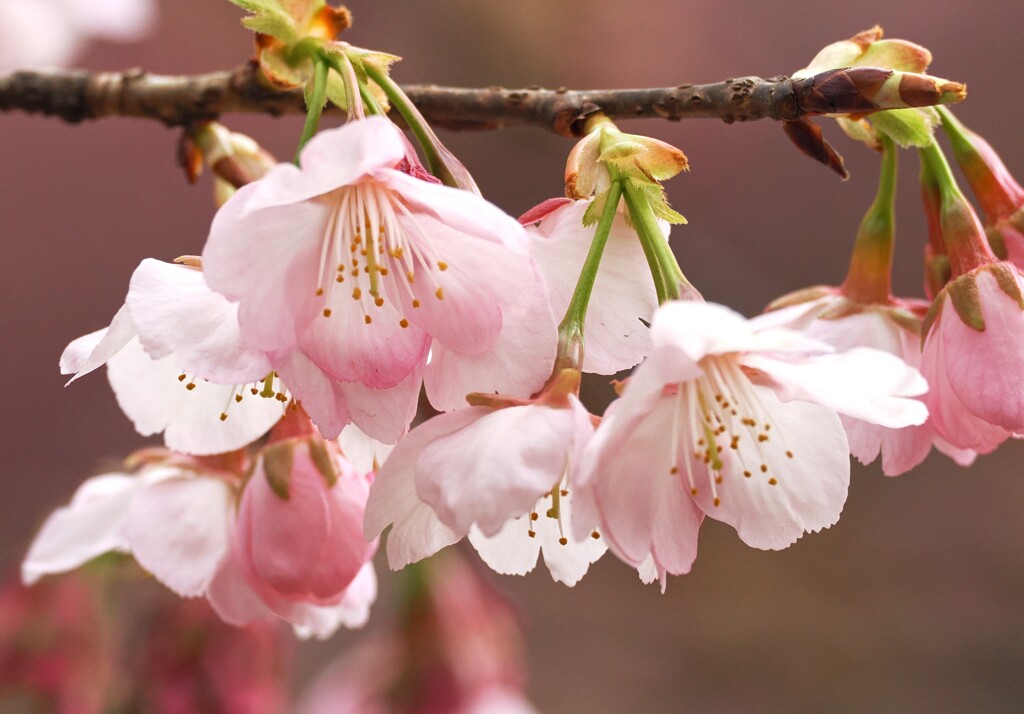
{"type": "Point", "coordinates": [272, 388]}
{"type": "Point", "coordinates": [367, 244]}
{"type": "Point", "coordinates": [717, 411]}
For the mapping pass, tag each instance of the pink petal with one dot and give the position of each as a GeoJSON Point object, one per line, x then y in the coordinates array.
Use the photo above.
{"type": "Point", "coordinates": [417, 531]}
{"type": "Point", "coordinates": [232, 597]}
{"type": "Point", "coordinates": [268, 262]}
{"type": "Point", "coordinates": [178, 530]}
{"type": "Point", "coordinates": [379, 354]}
{"type": "Point", "coordinates": [518, 364]}
{"type": "Point", "coordinates": [950, 417]}
{"type": "Point", "coordinates": [462, 211]}
{"type": "Point", "coordinates": [643, 507]}
{"type": "Point", "coordinates": [496, 467]}
{"type": "Point", "coordinates": [986, 369]}
{"type": "Point", "coordinates": [809, 488]}
{"type": "Point", "coordinates": [175, 312]}
{"type": "Point", "coordinates": [863, 383]}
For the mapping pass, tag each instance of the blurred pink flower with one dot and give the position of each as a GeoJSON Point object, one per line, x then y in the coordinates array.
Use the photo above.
{"type": "Point", "coordinates": [51, 33]}
{"type": "Point", "coordinates": [496, 472]}
{"type": "Point", "coordinates": [456, 650]}
{"type": "Point", "coordinates": [735, 420]}
{"type": "Point", "coordinates": [348, 270]}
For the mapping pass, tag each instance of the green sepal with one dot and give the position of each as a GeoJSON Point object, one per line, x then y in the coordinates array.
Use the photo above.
{"type": "Point", "coordinates": [269, 17]}
{"type": "Point", "coordinates": [1007, 282]}
{"type": "Point", "coordinates": [655, 195]}
{"type": "Point", "coordinates": [963, 292]}
{"type": "Point", "coordinates": [323, 462]}
{"type": "Point", "coordinates": [593, 213]}
{"type": "Point", "coordinates": [277, 466]}
{"type": "Point", "coordinates": [907, 127]}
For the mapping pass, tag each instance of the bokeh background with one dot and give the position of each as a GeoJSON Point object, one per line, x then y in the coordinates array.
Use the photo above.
{"type": "Point", "coordinates": [913, 602]}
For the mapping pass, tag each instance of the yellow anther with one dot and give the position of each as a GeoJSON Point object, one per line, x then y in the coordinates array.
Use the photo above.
{"type": "Point", "coordinates": [563, 540]}
{"type": "Point", "coordinates": [439, 294]}
{"type": "Point", "coordinates": [357, 293]}
{"type": "Point", "coordinates": [327, 312]}
{"type": "Point", "coordinates": [367, 319]}
{"type": "Point", "coordinates": [223, 416]}
{"type": "Point", "coordinates": [403, 322]}
{"type": "Point", "coordinates": [379, 302]}
{"type": "Point", "coordinates": [441, 265]}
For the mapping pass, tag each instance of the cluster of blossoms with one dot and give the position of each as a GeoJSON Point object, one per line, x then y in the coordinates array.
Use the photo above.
{"type": "Point", "coordinates": [284, 366]}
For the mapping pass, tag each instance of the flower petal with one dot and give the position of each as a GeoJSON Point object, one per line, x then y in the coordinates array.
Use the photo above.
{"type": "Point", "coordinates": [87, 527]}
{"type": "Point", "coordinates": [178, 530]}
{"type": "Point", "coordinates": [156, 400]}
{"type": "Point", "coordinates": [775, 505]}
{"type": "Point", "coordinates": [94, 350]}
{"type": "Point", "coordinates": [175, 312]}
{"type": "Point", "coordinates": [496, 467]}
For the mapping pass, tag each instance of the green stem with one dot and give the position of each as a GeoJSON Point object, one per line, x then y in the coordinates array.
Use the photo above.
{"type": "Point", "coordinates": [432, 148]}
{"type": "Point", "coordinates": [869, 279]}
{"type": "Point", "coordinates": [570, 331]}
{"type": "Point", "coordinates": [315, 104]}
{"type": "Point", "coordinates": [962, 232]}
{"type": "Point", "coordinates": [664, 268]}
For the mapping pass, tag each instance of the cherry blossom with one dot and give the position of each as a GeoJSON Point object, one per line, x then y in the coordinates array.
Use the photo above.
{"type": "Point", "coordinates": [348, 271]}
{"type": "Point", "coordinates": [496, 472]}
{"type": "Point", "coordinates": [177, 364]}
{"type": "Point", "coordinates": [737, 421]}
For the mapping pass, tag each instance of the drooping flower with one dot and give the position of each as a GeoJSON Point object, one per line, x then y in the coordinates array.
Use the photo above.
{"type": "Point", "coordinates": [973, 345]}
{"type": "Point", "coordinates": [496, 472]}
{"type": "Point", "coordinates": [177, 364]}
{"type": "Point", "coordinates": [737, 421]}
{"type": "Point", "coordinates": [623, 299]}
{"type": "Point", "coordinates": [348, 270]}
{"type": "Point", "coordinates": [176, 517]}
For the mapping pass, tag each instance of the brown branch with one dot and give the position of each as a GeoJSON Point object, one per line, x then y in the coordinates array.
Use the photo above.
{"type": "Point", "coordinates": [182, 100]}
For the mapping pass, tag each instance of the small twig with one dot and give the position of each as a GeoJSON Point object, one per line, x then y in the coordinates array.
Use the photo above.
{"type": "Point", "coordinates": [183, 100]}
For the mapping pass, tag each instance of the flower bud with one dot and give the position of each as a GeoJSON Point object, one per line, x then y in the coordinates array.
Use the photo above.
{"type": "Point", "coordinates": [299, 534]}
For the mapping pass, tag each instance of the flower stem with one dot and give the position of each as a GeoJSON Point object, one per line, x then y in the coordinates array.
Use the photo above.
{"type": "Point", "coordinates": [314, 104]}
{"type": "Point", "coordinates": [962, 232]}
{"type": "Point", "coordinates": [669, 280]}
{"type": "Point", "coordinates": [869, 279]}
{"type": "Point", "coordinates": [441, 162]}
{"type": "Point", "coordinates": [570, 331]}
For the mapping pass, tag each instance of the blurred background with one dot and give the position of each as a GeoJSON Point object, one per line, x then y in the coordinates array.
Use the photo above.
{"type": "Point", "coordinates": [913, 602]}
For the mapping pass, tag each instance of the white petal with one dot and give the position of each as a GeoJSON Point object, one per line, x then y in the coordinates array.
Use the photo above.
{"type": "Point", "coordinates": [772, 507]}
{"type": "Point", "coordinates": [863, 383]}
{"type": "Point", "coordinates": [93, 350]}
{"type": "Point", "coordinates": [152, 396]}
{"type": "Point", "coordinates": [365, 452]}
{"type": "Point", "coordinates": [87, 527]}
{"type": "Point", "coordinates": [175, 312]}
{"type": "Point", "coordinates": [510, 551]}
{"type": "Point", "coordinates": [177, 529]}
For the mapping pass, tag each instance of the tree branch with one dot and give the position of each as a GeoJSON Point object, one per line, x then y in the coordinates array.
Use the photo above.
{"type": "Point", "coordinates": [182, 100]}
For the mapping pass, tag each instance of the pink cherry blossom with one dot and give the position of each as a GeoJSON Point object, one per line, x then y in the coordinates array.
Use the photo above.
{"type": "Point", "coordinates": [894, 328]}
{"type": "Point", "coordinates": [738, 422]}
{"type": "Point", "coordinates": [348, 270]}
{"type": "Point", "coordinates": [495, 474]}
{"type": "Point", "coordinates": [177, 364]}
{"type": "Point", "coordinates": [973, 357]}
{"type": "Point", "coordinates": [624, 294]}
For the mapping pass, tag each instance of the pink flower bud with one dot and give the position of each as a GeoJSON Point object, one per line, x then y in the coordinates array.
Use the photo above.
{"type": "Point", "coordinates": [299, 533]}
